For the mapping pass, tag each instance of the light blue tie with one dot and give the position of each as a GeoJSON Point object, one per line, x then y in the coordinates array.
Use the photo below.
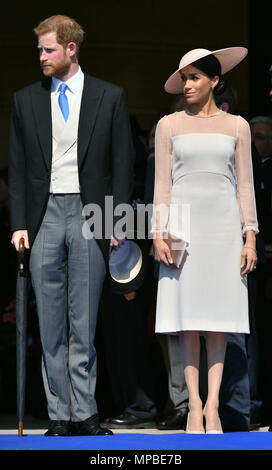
{"type": "Point", "coordinates": [63, 101]}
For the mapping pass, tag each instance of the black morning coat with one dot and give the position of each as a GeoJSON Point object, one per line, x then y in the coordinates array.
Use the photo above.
{"type": "Point", "coordinates": [105, 152]}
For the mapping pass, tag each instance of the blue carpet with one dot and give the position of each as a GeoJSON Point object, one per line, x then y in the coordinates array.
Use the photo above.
{"type": "Point", "coordinates": [228, 441]}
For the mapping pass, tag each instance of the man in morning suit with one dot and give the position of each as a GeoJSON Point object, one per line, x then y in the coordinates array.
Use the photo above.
{"type": "Point", "coordinates": [70, 145]}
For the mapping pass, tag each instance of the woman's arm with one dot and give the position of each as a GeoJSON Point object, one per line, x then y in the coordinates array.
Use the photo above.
{"type": "Point", "coordinates": [162, 190]}
{"type": "Point", "coordinates": [246, 195]}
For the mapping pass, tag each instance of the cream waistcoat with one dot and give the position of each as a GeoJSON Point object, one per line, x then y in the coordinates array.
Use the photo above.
{"type": "Point", "coordinates": [64, 171]}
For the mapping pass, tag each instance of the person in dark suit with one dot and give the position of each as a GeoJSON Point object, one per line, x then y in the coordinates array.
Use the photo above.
{"type": "Point", "coordinates": [70, 146]}
{"type": "Point", "coordinates": [131, 378]}
{"type": "Point", "coordinates": [261, 131]}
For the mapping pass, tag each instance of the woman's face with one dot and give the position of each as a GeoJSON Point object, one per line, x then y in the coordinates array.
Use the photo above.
{"type": "Point", "coordinates": [197, 87]}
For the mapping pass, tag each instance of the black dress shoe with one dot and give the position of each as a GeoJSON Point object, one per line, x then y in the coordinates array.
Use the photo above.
{"type": "Point", "coordinates": [239, 428]}
{"type": "Point", "coordinates": [89, 427]}
{"type": "Point", "coordinates": [130, 421]}
{"type": "Point", "coordinates": [58, 428]}
{"type": "Point", "coordinates": [255, 423]}
{"type": "Point", "coordinates": [176, 420]}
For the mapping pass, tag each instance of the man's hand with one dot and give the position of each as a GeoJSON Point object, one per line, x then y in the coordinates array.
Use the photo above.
{"type": "Point", "coordinates": [117, 241]}
{"type": "Point", "coordinates": [130, 296]}
{"type": "Point", "coordinates": [17, 236]}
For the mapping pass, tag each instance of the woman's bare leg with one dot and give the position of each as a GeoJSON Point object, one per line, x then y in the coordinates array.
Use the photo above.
{"type": "Point", "coordinates": [216, 348]}
{"type": "Point", "coordinates": [190, 350]}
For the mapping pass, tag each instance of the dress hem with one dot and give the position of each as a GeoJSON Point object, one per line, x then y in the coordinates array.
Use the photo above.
{"type": "Point", "coordinates": [177, 332]}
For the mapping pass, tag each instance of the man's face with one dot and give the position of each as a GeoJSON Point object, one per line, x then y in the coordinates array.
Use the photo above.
{"type": "Point", "coordinates": [262, 138]}
{"type": "Point", "coordinates": [54, 58]}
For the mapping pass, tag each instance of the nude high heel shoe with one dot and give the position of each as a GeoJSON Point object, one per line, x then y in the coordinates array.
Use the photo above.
{"type": "Point", "coordinates": [195, 431]}
{"type": "Point", "coordinates": [215, 430]}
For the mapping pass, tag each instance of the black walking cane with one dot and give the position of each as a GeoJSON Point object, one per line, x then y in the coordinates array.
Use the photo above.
{"type": "Point", "coordinates": [21, 322]}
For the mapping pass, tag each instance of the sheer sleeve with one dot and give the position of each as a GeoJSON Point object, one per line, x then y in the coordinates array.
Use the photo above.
{"type": "Point", "coordinates": [163, 176]}
{"type": "Point", "coordinates": [244, 177]}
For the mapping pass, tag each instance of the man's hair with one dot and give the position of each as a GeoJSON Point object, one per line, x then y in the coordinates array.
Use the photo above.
{"type": "Point", "coordinates": [261, 120]}
{"type": "Point", "coordinates": [66, 29]}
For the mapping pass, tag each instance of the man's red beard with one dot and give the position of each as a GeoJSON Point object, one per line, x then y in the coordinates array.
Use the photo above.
{"type": "Point", "coordinates": [50, 69]}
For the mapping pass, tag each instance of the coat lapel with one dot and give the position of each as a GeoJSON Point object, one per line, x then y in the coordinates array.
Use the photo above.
{"type": "Point", "coordinates": [91, 99]}
{"type": "Point", "coordinates": [41, 103]}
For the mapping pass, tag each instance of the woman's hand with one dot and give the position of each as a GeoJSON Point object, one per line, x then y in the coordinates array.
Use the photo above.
{"type": "Point", "coordinates": [248, 259]}
{"type": "Point", "coordinates": [249, 254]}
{"type": "Point", "coordinates": [161, 251]}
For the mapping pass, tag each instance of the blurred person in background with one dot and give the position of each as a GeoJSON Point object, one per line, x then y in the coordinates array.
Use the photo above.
{"type": "Point", "coordinates": [8, 256]}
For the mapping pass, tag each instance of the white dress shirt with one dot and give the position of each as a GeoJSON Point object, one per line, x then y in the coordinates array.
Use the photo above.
{"type": "Point", "coordinates": [73, 86]}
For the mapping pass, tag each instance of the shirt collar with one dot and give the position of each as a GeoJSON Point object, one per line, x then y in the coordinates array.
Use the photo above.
{"type": "Point", "coordinates": [73, 83]}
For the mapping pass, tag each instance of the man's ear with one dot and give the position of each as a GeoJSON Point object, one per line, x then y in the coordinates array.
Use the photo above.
{"type": "Point", "coordinates": [72, 49]}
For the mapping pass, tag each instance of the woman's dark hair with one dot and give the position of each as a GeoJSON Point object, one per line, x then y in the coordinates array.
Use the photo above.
{"type": "Point", "coordinates": [211, 66]}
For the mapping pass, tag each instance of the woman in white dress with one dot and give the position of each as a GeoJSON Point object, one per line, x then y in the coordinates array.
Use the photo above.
{"type": "Point", "coordinates": [204, 183]}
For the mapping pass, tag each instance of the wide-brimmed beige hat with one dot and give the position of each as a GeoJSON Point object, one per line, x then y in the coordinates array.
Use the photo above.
{"type": "Point", "coordinates": [228, 58]}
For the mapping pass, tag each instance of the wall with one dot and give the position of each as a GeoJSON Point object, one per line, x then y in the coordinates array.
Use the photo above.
{"type": "Point", "coordinates": [134, 44]}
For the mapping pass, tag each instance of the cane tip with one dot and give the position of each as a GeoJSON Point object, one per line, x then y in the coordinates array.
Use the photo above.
{"type": "Point", "coordinates": [20, 428]}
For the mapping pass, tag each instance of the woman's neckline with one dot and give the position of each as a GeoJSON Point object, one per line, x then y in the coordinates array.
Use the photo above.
{"type": "Point", "coordinates": [202, 117]}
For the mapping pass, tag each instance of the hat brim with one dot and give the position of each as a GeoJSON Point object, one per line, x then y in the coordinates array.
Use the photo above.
{"type": "Point", "coordinates": [132, 283]}
{"type": "Point", "coordinates": [228, 57]}
{"type": "Point", "coordinates": [128, 276]}
{"type": "Point", "coordinates": [128, 287]}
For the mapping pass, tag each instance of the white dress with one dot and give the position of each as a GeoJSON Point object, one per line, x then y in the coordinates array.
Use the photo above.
{"type": "Point", "coordinates": [204, 171]}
